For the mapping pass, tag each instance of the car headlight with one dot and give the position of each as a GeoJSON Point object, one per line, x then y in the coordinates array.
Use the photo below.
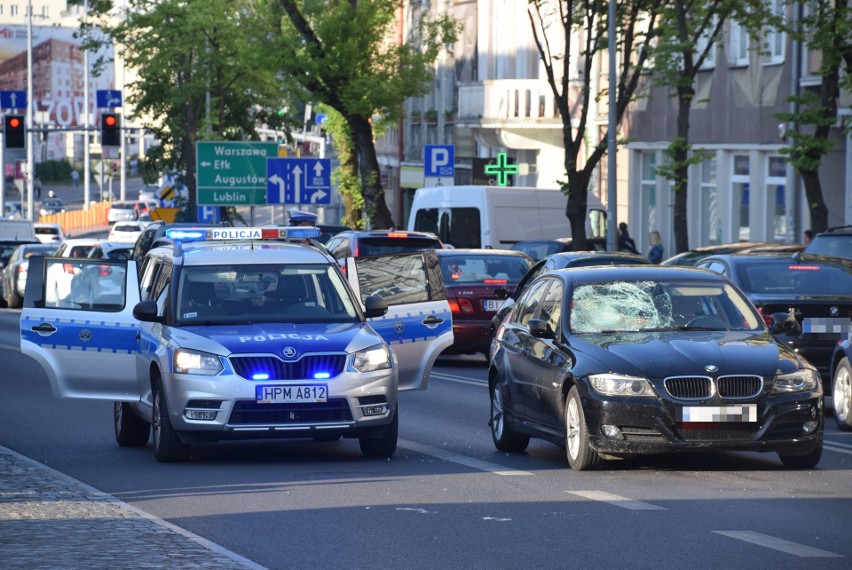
{"type": "Point", "coordinates": [370, 359]}
{"type": "Point", "coordinates": [802, 380]}
{"type": "Point", "coordinates": [619, 385]}
{"type": "Point", "coordinates": [194, 362]}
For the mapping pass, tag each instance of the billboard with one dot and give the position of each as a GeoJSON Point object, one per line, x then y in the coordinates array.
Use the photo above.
{"type": "Point", "coordinates": [58, 73]}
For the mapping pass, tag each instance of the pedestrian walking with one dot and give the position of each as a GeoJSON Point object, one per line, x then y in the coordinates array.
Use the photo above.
{"type": "Point", "coordinates": [37, 186]}
{"type": "Point", "coordinates": [75, 178]}
{"type": "Point", "coordinates": [655, 252]}
{"type": "Point", "coordinates": [625, 242]}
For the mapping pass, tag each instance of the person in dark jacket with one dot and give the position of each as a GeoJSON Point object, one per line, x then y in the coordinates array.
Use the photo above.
{"type": "Point", "coordinates": [625, 242]}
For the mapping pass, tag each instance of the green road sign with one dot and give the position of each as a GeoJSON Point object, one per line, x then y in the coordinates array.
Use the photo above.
{"type": "Point", "coordinates": [232, 173]}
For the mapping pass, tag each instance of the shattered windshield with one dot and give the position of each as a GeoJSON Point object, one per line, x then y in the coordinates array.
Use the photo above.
{"type": "Point", "coordinates": [643, 306]}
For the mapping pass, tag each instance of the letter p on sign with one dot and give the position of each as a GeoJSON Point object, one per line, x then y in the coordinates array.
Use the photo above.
{"type": "Point", "coordinates": [439, 160]}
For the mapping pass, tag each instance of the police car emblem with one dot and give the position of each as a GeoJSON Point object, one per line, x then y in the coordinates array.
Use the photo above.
{"type": "Point", "coordinates": [398, 327]}
{"type": "Point", "coordinates": [289, 352]}
{"type": "Point", "coordinates": [710, 368]}
{"type": "Point", "coordinates": [85, 335]}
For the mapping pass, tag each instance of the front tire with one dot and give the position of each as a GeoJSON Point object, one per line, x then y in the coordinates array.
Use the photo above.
{"type": "Point", "coordinates": [807, 461]}
{"type": "Point", "coordinates": [384, 446]}
{"type": "Point", "coordinates": [505, 439]}
{"type": "Point", "coordinates": [167, 445]}
{"type": "Point", "coordinates": [841, 395]}
{"type": "Point", "coordinates": [130, 429]}
{"type": "Point", "coordinates": [580, 454]}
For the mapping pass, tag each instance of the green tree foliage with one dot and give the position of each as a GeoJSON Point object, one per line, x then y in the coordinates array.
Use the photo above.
{"type": "Point", "coordinates": [688, 32]}
{"type": "Point", "coordinates": [201, 72]}
{"type": "Point", "coordinates": [344, 54]}
{"type": "Point", "coordinates": [345, 176]}
{"type": "Point", "coordinates": [825, 27]}
{"type": "Point", "coordinates": [554, 22]}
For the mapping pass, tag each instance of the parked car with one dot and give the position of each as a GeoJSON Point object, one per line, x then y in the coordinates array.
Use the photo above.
{"type": "Point", "coordinates": [835, 241]}
{"type": "Point", "coordinates": [14, 274]}
{"type": "Point", "coordinates": [121, 212]}
{"type": "Point", "coordinates": [471, 277]}
{"type": "Point", "coordinates": [539, 249]}
{"type": "Point", "coordinates": [790, 288]}
{"type": "Point", "coordinates": [693, 256]}
{"type": "Point", "coordinates": [126, 231]}
{"type": "Point", "coordinates": [50, 206]}
{"type": "Point", "coordinates": [614, 361]}
{"type": "Point", "coordinates": [358, 243]}
{"type": "Point", "coordinates": [559, 261]}
{"type": "Point", "coordinates": [12, 211]}
{"type": "Point", "coordinates": [49, 233]}
{"type": "Point", "coordinates": [8, 244]}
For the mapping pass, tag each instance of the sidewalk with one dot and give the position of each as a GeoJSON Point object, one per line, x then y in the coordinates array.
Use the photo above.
{"type": "Point", "coordinates": [50, 520]}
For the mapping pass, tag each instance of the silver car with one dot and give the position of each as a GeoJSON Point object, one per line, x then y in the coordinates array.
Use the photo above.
{"type": "Point", "coordinates": [121, 212]}
{"type": "Point", "coordinates": [14, 274]}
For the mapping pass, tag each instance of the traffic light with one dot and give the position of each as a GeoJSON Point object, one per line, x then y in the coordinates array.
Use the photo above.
{"type": "Point", "coordinates": [110, 130]}
{"type": "Point", "coordinates": [14, 132]}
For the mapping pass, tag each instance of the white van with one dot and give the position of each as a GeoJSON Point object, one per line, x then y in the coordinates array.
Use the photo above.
{"type": "Point", "coordinates": [498, 216]}
{"type": "Point", "coordinates": [17, 230]}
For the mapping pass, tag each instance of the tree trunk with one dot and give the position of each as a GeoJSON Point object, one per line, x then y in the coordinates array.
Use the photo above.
{"type": "Point", "coordinates": [368, 170]}
{"type": "Point", "coordinates": [816, 204]}
{"type": "Point", "coordinates": [680, 161]}
{"type": "Point", "coordinates": [578, 192]}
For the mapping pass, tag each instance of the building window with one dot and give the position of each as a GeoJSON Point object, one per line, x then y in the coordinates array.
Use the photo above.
{"type": "Point", "coordinates": [711, 225]}
{"type": "Point", "coordinates": [45, 11]}
{"type": "Point", "coordinates": [774, 39]}
{"type": "Point", "coordinates": [741, 198]}
{"type": "Point", "coordinates": [648, 188]}
{"type": "Point", "coordinates": [738, 41]}
{"type": "Point", "coordinates": [701, 45]}
{"type": "Point", "coordinates": [776, 181]}
{"type": "Point", "coordinates": [13, 10]}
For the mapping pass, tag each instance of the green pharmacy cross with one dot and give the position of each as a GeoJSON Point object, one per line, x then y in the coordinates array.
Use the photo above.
{"type": "Point", "coordinates": [502, 169]}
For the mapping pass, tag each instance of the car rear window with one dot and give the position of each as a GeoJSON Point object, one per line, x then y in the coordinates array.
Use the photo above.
{"type": "Point", "coordinates": [384, 245]}
{"type": "Point", "coordinates": [47, 231]}
{"type": "Point", "coordinates": [837, 246]}
{"type": "Point", "coordinates": [483, 269]}
{"type": "Point", "coordinates": [799, 278]}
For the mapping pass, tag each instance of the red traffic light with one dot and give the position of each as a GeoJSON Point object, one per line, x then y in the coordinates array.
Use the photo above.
{"type": "Point", "coordinates": [14, 122]}
{"type": "Point", "coordinates": [109, 120]}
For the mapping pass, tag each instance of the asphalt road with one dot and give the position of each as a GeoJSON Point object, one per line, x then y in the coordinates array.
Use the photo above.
{"type": "Point", "coordinates": [447, 498]}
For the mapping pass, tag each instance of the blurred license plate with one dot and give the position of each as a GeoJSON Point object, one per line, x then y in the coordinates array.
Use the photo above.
{"type": "Point", "coordinates": [743, 413]}
{"type": "Point", "coordinates": [310, 394]}
{"type": "Point", "coordinates": [491, 304]}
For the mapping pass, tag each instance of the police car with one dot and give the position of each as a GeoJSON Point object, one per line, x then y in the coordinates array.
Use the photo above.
{"type": "Point", "coordinates": [232, 333]}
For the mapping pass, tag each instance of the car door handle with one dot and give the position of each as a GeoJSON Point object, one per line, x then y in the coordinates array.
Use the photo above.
{"type": "Point", "coordinates": [44, 328]}
{"type": "Point", "coordinates": [432, 320]}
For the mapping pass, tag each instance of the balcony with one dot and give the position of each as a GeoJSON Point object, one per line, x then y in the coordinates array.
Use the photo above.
{"type": "Point", "coordinates": [508, 103]}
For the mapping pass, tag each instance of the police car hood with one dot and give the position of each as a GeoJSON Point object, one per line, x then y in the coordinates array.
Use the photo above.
{"type": "Point", "coordinates": [273, 338]}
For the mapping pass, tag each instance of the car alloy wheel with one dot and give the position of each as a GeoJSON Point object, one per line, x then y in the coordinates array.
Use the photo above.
{"type": "Point", "coordinates": [505, 439]}
{"type": "Point", "coordinates": [580, 454]}
{"type": "Point", "coordinates": [842, 395]}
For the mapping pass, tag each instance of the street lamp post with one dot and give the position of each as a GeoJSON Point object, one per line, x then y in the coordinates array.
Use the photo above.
{"type": "Point", "coordinates": [30, 164]}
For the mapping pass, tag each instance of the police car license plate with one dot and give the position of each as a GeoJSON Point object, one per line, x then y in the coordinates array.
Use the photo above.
{"type": "Point", "coordinates": [742, 413]}
{"type": "Point", "coordinates": [310, 394]}
{"type": "Point", "coordinates": [491, 304]}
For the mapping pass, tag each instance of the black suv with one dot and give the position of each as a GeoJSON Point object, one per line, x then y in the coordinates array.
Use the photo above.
{"type": "Point", "coordinates": [836, 242]}
{"type": "Point", "coordinates": [155, 231]}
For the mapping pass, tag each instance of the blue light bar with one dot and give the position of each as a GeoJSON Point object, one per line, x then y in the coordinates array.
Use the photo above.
{"type": "Point", "coordinates": [301, 232]}
{"type": "Point", "coordinates": [260, 376]}
{"type": "Point", "coordinates": [185, 234]}
{"type": "Point", "coordinates": [319, 375]}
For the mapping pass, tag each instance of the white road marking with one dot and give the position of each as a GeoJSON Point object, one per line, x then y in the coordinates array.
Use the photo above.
{"type": "Point", "coordinates": [460, 459]}
{"type": "Point", "coordinates": [780, 544]}
{"type": "Point", "coordinates": [458, 379]}
{"type": "Point", "coordinates": [618, 501]}
{"type": "Point", "coordinates": [836, 449]}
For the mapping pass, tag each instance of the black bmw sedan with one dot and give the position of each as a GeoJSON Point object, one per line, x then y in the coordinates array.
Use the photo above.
{"type": "Point", "coordinates": [617, 361]}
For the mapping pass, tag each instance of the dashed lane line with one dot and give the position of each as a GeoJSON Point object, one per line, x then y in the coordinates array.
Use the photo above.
{"type": "Point", "coordinates": [779, 544]}
{"type": "Point", "coordinates": [457, 379]}
{"type": "Point", "coordinates": [618, 501]}
{"type": "Point", "coordinates": [460, 459]}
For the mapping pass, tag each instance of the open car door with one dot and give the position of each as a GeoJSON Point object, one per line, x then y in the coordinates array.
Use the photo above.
{"type": "Point", "coordinates": [418, 325]}
{"type": "Point", "coordinates": [77, 323]}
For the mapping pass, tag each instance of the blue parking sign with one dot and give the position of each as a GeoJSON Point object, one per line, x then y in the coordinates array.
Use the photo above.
{"type": "Point", "coordinates": [439, 160]}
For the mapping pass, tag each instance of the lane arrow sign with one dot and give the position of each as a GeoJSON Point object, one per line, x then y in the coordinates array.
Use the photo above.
{"type": "Point", "coordinates": [297, 179]}
{"type": "Point", "coordinates": [318, 169]}
{"type": "Point", "coordinates": [275, 179]}
{"type": "Point", "coordinates": [205, 163]}
{"type": "Point", "coordinates": [318, 195]}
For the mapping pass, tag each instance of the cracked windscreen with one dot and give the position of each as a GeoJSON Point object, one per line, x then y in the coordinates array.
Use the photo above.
{"type": "Point", "coordinates": [643, 306]}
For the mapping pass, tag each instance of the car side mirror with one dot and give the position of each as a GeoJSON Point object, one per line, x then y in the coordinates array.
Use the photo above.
{"type": "Point", "coordinates": [146, 311]}
{"type": "Point", "coordinates": [785, 323]}
{"type": "Point", "coordinates": [375, 306]}
{"type": "Point", "coordinates": [501, 293]}
{"type": "Point", "coordinates": [540, 329]}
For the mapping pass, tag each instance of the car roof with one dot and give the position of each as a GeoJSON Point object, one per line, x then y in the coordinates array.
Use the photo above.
{"type": "Point", "coordinates": [382, 233]}
{"type": "Point", "coordinates": [243, 253]}
{"type": "Point", "coordinates": [751, 257]}
{"type": "Point", "coordinates": [600, 273]}
{"type": "Point", "coordinates": [836, 230]}
{"type": "Point", "coordinates": [479, 251]}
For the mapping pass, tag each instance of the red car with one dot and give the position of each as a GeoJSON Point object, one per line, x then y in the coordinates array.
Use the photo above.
{"type": "Point", "coordinates": [471, 278]}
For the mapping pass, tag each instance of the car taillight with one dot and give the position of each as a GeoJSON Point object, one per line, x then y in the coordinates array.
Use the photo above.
{"type": "Point", "coordinates": [104, 270]}
{"type": "Point", "coordinates": [766, 318]}
{"type": "Point", "coordinates": [397, 235]}
{"type": "Point", "coordinates": [495, 281]}
{"type": "Point", "coordinates": [466, 306]}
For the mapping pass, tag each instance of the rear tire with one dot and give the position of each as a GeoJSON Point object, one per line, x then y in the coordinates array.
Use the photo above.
{"type": "Point", "coordinates": [841, 395]}
{"type": "Point", "coordinates": [384, 446]}
{"type": "Point", "coordinates": [130, 429]}
{"type": "Point", "coordinates": [807, 461]}
{"type": "Point", "coordinates": [14, 302]}
{"type": "Point", "coordinates": [505, 439]}
{"type": "Point", "coordinates": [167, 445]}
{"type": "Point", "coordinates": [580, 454]}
